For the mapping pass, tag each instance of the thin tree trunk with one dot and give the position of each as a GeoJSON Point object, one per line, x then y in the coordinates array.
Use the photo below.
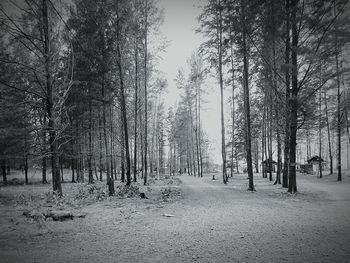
{"type": "Point", "coordinates": [104, 121]}
{"type": "Point", "coordinates": [125, 123]}
{"type": "Point", "coordinates": [44, 180]}
{"type": "Point", "coordinates": [337, 52]}
{"type": "Point", "coordinates": [56, 180]}
{"type": "Point", "coordinates": [146, 99]}
{"type": "Point", "coordinates": [91, 177]}
{"type": "Point", "coordinates": [233, 126]}
{"type": "Point", "coordinates": [287, 108]}
{"type": "Point", "coordinates": [221, 82]}
{"type": "Point", "coordinates": [135, 111]}
{"type": "Point", "coordinates": [193, 158]}
{"type": "Point", "coordinates": [263, 150]}
{"type": "Point", "coordinates": [233, 109]}
{"type": "Point", "coordinates": [61, 167]}
{"type": "Point", "coordinates": [320, 135]}
{"type": "Point", "coordinates": [292, 187]}
{"type": "Point", "coordinates": [43, 160]}
{"type": "Point", "coordinates": [3, 168]}
{"type": "Point", "coordinates": [142, 151]}
{"type": "Point", "coordinates": [270, 136]}
{"type": "Point", "coordinates": [200, 133]}
{"type": "Point", "coordinates": [279, 149]}
{"type": "Point", "coordinates": [196, 131]}
{"type": "Point", "coordinates": [188, 158]}
{"type": "Point", "coordinates": [256, 156]}
{"type": "Point", "coordinates": [111, 142]}
{"type": "Point", "coordinates": [247, 102]}
{"type": "Point", "coordinates": [100, 143]}
{"type": "Point", "coordinates": [328, 135]}
{"type": "Point", "coordinates": [72, 159]}
{"type": "Point", "coordinates": [26, 168]}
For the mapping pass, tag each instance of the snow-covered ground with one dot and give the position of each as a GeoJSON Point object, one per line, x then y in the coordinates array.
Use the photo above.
{"type": "Point", "coordinates": [210, 222]}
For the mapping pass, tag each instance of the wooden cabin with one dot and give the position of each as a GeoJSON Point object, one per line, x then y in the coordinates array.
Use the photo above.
{"type": "Point", "coordinates": [266, 165]}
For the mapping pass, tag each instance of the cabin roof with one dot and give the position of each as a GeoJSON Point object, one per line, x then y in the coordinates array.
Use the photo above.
{"type": "Point", "coordinates": [314, 159]}
{"type": "Point", "coordinates": [267, 161]}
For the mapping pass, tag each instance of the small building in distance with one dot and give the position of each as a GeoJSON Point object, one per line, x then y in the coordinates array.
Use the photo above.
{"type": "Point", "coordinates": [266, 165]}
{"type": "Point", "coordinates": [314, 164]}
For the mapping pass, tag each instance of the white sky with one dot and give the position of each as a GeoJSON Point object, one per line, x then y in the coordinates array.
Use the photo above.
{"type": "Point", "coordinates": [180, 22]}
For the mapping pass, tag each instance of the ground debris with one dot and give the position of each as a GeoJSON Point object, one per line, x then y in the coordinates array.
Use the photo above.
{"type": "Point", "coordinates": [60, 215]}
{"type": "Point", "coordinates": [56, 215]}
{"type": "Point", "coordinates": [169, 193]}
{"type": "Point", "coordinates": [143, 196]}
{"type": "Point", "coordinates": [168, 215]}
{"type": "Point", "coordinates": [128, 191]}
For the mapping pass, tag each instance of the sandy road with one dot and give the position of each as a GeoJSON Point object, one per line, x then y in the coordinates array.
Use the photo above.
{"type": "Point", "coordinates": [212, 223]}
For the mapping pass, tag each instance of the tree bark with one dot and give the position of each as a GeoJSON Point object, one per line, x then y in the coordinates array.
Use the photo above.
{"type": "Point", "coordinates": [122, 154]}
{"type": "Point", "coordinates": [328, 135]}
{"type": "Point", "coordinates": [3, 168]}
{"type": "Point", "coordinates": [263, 150]}
{"type": "Point", "coordinates": [135, 110]}
{"type": "Point", "coordinates": [123, 111]}
{"type": "Point", "coordinates": [146, 99]}
{"type": "Point", "coordinates": [43, 160]}
{"type": "Point", "coordinates": [337, 52]}
{"type": "Point", "coordinates": [320, 135]}
{"type": "Point", "coordinates": [100, 143]}
{"type": "Point", "coordinates": [221, 82]}
{"type": "Point", "coordinates": [287, 108]}
{"type": "Point", "coordinates": [233, 108]}
{"type": "Point", "coordinates": [292, 187]}
{"type": "Point", "coordinates": [247, 101]}
{"type": "Point", "coordinates": [91, 177]}
{"type": "Point", "coordinates": [56, 180]}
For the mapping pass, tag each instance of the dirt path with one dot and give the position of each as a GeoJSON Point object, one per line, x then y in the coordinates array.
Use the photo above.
{"type": "Point", "coordinates": [211, 223]}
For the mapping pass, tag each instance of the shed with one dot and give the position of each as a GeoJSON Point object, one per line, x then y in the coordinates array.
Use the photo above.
{"type": "Point", "coordinates": [314, 161]}
{"type": "Point", "coordinates": [266, 165]}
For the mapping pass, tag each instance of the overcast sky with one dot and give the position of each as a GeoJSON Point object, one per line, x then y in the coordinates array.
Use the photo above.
{"type": "Point", "coordinates": [180, 22]}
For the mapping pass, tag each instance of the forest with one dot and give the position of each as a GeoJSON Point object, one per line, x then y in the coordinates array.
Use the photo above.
{"type": "Point", "coordinates": [82, 106]}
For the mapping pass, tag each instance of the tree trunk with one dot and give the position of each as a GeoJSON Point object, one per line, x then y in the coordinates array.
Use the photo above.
{"type": "Point", "coordinates": [279, 158]}
{"type": "Point", "coordinates": [270, 135]}
{"type": "Point", "coordinates": [233, 108]}
{"type": "Point", "coordinates": [292, 187]}
{"type": "Point", "coordinates": [146, 99]}
{"type": "Point", "coordinates": [337, 52]}
{"type": "Point", "coordinates": [25, 160]}
{"type": "Point", "coordinates": [91, 177]}
{"type": "Point", "coordinates": [44, 180]}
{"type": "Point", "coordinates": [43, 160]}
{"type": "Point", "coordinates": [320, 135]}
{"type": "Point", "coordinates": [279, 149]}
{"type": "Point", "coordinates": [142, 150]}
{"type": "Point", "coordinates": [221, 82]}
{"type": "Point", "coordinates": [196, 131]}
{"type": "Point", "coordinates": [110, 180]}
{"type": "Point", "coordinates": [247, 102]}
{"type": "Point", "coordinates": [287, 107]}
{"type": "Point", "coordinates": [111, 142]}
{"type": "Point", "coordinates": [263, 150]}
{"type": "Point", "coordinates": [328, 135]}
{"type": "Point", "coordinates": [73, 155]}
{"type": "Point", "coordinates": [3, 168]}
{"type": "Point", "coordinates": [61, 167]}
{"type": "Point", "coordinates": [56, 180]}
{"type": "Point", "coordinates": [122, 154]}
{"type": "Point", "coordinates": [199, 133]}
{"type": "Point", "coordinates": [135, 110]}
{"type": "Point", "coordinates": [124, 118]}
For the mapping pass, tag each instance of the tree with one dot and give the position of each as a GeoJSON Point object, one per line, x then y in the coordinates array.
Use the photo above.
{"type": "Point", "coordinates": [211, 23]}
